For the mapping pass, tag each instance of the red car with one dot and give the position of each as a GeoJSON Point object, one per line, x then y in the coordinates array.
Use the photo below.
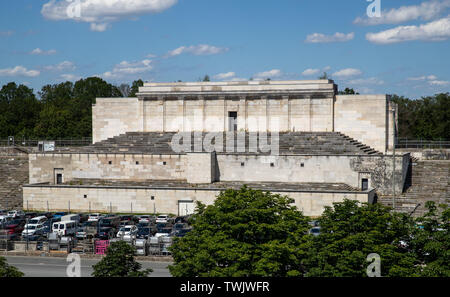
{"type": "Point", "coordinates": [14, 229]}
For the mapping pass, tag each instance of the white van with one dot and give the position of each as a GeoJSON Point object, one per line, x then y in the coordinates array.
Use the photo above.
{"type": "Point", "coordinates": [37, 220]}
{"type": "Point", "coordinates": [71, 217]}
{"type": "Point", "coordinates": [65, 228]}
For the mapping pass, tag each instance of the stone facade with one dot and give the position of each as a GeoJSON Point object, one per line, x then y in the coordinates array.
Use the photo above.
{"type": "Point", "coordinates": [148, 200]}
{"type": "Point", "coordinates": [331, 147]}
{"type": "Point", "coordinates": [259, 106]}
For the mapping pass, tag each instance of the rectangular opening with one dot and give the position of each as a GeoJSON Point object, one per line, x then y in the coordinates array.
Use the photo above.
{"type": "Point", "coordinates": [59, 178]}
{"type": "Point", "coordinates": [232, 121]}
{"type": "Point", "coordinates": [364, 184]}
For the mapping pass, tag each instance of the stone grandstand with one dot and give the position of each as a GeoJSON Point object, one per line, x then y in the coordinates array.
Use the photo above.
{"type": "Point", "coordinates": [327, 148]}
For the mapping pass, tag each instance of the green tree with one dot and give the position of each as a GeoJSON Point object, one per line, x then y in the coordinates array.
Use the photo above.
{"type": "Point", "coordinates": [19, 110]}
{"type": "Point", "coordinates": [245, 232]}
{"type": "Point", "coordinates": [7, 270]}
{"type": "Point", "coordinates": [431, 242]}
{"type": "Point", "coordinates": [135, 87]}
{"type": "Point", "coordinates": [350, 232]}
{"type": "Point", "coordinates": [206, 78]}
{"type": "Point", "coordinates": [119, 262]}
{"type": "Point", "coordinates": [348, 91]}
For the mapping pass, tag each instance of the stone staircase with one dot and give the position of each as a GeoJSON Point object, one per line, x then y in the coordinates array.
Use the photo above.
{"type": "Point", "coordinates": [429, 181]}
{"type": "Point", "coordinates": [13, 174]}
{"type": "Point", "coordinates": [309, 143]}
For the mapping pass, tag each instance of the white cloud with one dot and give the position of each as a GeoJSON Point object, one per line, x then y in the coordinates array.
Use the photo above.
{"type": "Point", "coordinates": [424, 77]}
{"type": "Point", "coordinates": [40, 52]}
{"type": "Point", "coordinates": [427, 10]}
{"type": "Point", "coordinates": [438, 30]}
{"type": "Point", "coordinates": [99, 27]}
{"type": "Point", "coordinates": [268, 74]}
{"type": "Point", "coordinates": [70, 77]}
{"type": "Point", "coordinates": [197, 50]}
{"type": "Point", "coordinates": [310, 72]}
{"type": "Point", "coordinates": [222, 76]}
{"type": "Point", "coordinates": [6, 33]}
{"type": "Point", "coordinates": [63, 66]}
{"type": "Point", "coordinates": [348, 72]}
{"type": "Point", "coordinates": [366, 81]}
{"type": "Point", "coordinates": [128, 68]}
{"type": "Point", "coordinates": [150, 56]}
{"type": "Point", "coordinates": [19, 71]}
{"type": "Point", "coordinates": [102, 12]}
{"type": "Point", "coordinates": [439, 83]}
{"type": "Point", "coordinates": [322, 38]}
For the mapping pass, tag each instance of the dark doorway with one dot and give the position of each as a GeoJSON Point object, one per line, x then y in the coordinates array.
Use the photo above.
{"type": "Point", "coordinates": [59, 179]}
{"type": "Point", "coordinates": [365, 184]}
{"type": "Point", "coordinates": [232, 121]}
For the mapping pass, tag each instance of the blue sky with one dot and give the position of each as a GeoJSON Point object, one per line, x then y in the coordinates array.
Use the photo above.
{"type": "Point", "coordinates": [403, 51]}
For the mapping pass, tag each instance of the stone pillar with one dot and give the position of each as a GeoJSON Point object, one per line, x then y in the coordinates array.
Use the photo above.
{"type": "Point", "coordinates": [286, 102]}
{"type": "Point", "coordinates": [243, 103]}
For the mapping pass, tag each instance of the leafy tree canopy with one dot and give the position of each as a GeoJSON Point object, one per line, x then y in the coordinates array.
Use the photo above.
{"type": "Point", "coordinates": [119, 262]}
{"type": "Point", "coordinates": [7, 270]}
{"type": "Point", "coordinates": [245, 232]}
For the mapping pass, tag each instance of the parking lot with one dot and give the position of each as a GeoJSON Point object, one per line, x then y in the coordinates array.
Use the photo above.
{"type": "Point", "coordinates": [61, 232]}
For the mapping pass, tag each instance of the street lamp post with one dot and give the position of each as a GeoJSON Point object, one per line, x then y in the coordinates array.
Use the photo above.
{"type": "Point", "coordinates": [393, 157]}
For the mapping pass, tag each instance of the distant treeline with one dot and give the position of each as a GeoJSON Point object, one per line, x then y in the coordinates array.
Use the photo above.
{"type": "Point", "coordinates": [427, 118]}
{"type": "Point", "coordinates": [65, 110]}
{"type": "Point", "coordinates": [59, 111]}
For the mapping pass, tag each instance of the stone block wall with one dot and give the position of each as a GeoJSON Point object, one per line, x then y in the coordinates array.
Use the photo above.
{"type": "Point", "coordinates": [13, 174]}
{"type": "Point", "coordinates": [365, 118]}
{"type": "Point", "coordinates": [139, 200]}
{"type": "Point", "coordinates": [133, 167]}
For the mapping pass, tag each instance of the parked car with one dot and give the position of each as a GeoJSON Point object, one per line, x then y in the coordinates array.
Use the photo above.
{"type": "Point", "coordinates": [37, 220]}
{"type": "Point", "coordinates": [48, 215]}
{"type": "Point", "coordinates": [164, 232]}
{"type": "Point", "coordinates": [144, 232]}
{"type": "Point", "coordinates": [129, 230]}
{"type": "Point", "coordinates": [145, 219]}
{"type": "Point", "coordinates": [71, 217]}
{"type": "Point", "coordinates": [30, 230]}
{"type": "Point", "coordinates": [95, 217]}
{"type": "Point", "coordinates": [112, 221]}
{"type": "Point", "coordinates": [314, 231]}
{"type": "Point", "coordinates": [106, 233]}
{"type": "Point", "coordinates": [89, 229]}
{"type": "Point", "coordinates": [162, 219]}
{"type": "Point", "coordinates": [4, 220]}
{"type": "Point", "coordinates": [65, 228]}
{"type": "Point", "coordinates": [16, 214]}
{"type": "Point", "coordinates": [29, 215]}
{"type": "Point", "coordinates": [179, 226]}
{"type": "Point", "coordinates": [84, 217]}
{"type": "Point", "coordinates": [180, 232]}
{"type": "Point", "coordinates": [14, 229]}
{"type": "Point", "coordinates": [59, 215]}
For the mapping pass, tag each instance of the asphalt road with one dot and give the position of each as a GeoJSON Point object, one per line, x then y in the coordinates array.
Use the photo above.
{"type": "Point", "coordinates": [56, 267]}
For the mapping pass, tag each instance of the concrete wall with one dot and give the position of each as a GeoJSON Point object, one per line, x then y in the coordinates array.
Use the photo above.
{"type": "Point", "coordinates": [365, 118]}
{"type": "Point", "coordinates": [122, 200]}
{"type": "Point", "coordinates": [96, 166]}
{"type": "Point", "coordinates": [114, 116]}
{"type": "Point", "coordinates": [206, 168]}
{"type": "Point", "coordinates": [316, 169]}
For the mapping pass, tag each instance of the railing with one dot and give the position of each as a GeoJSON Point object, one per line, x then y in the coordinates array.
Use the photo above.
{"type": "Point", "coordinates": [66, 142]}
{"type": "Point", "coordinates": [421, 144]}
